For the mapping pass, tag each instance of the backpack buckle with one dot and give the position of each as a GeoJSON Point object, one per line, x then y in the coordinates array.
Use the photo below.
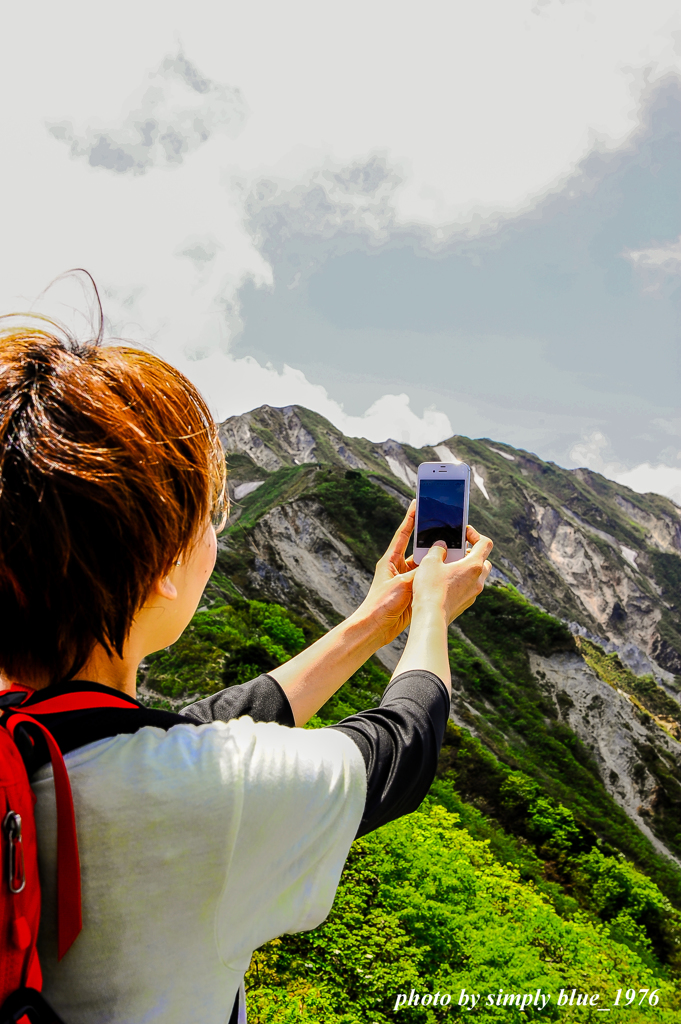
{"type": "Point", "coordinates": [16, 875]}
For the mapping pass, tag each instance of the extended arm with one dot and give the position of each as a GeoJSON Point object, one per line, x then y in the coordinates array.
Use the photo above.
{"type": "Point", "coordinates": [400, 740]}
{"type": "Point", "coordinates": [314, 675]}
{"type": "Point", "coordinates": [400, 743]}
{"type": "Point", "coordinates": [440, 593]}
{"type": "Point", "coordinates": [294, 691]}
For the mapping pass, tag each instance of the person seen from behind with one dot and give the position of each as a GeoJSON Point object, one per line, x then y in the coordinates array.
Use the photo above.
{"type": "Point", "coordinates": [204, 834]}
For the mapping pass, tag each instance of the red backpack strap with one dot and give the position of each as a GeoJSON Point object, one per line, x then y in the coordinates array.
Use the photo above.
{"type": "Point", "coordinates": [69, 909]}
{"type": "Point", "coordinates": [79, 701]}
{"type": "Point", "coordinates": [69, 913]}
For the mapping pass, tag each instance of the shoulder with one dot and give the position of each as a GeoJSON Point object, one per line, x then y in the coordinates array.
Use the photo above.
{"type": "Point", "coordinates": [219, 753]}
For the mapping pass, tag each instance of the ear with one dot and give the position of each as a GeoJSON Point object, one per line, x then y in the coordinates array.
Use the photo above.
{"type": "Point", "coordinates": [164, 587]}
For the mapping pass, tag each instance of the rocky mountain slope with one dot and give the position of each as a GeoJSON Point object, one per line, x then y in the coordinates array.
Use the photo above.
{"type": "Point", "coordinates": [313, 508]}
{"type": "Point", "coordinates": [582, 547]}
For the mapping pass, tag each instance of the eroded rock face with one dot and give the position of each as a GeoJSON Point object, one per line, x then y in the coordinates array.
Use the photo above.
{"type": "Point", "coordinates": [605, 721]}
{"type": "Point", "coordinates": [397, 462]}
{"type": "Point", "coordinates": [296, 546]}
{"type": "Point", "coordinates": [666, 655]}
{"type": "Point", "coordinates": [664, 531]}
{"type": "Point", "coordinates": [346, 454]}
{"type": "Point", "coordinates": [301, 540]}
{"type": "Point", "coordinates": [288, 437]}
{"type": "Point", "coordinates": [605, 584]}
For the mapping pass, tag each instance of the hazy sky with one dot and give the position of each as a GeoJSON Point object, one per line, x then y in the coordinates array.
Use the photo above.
{"type": "Point", "coordinates": [416, 218]}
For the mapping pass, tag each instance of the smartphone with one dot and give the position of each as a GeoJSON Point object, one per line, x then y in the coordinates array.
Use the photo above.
{"type": "Point", "coordinates": [442, 491]}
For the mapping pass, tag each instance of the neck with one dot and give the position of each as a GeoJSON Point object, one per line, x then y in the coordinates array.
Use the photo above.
{"type": "Point", "coordinates": [118, 673]}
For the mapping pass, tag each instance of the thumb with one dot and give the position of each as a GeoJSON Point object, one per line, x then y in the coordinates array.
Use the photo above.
{"type": "Point", "coordinates": [438, 552]}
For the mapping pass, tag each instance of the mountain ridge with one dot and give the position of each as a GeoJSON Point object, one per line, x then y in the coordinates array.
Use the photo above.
{"type": "Point", "coordinates": [565, 552]}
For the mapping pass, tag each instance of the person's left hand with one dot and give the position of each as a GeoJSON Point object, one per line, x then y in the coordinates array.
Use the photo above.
{"type": "Point", "coordinates": [388, 602]}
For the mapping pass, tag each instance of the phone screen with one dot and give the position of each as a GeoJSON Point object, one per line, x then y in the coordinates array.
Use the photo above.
{"type": "Point", "coordinates": [441, 504]}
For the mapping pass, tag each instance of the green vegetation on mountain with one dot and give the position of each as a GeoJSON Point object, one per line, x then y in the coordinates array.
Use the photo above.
{"type": "Point", "coordinates": [224, 645]}
{"type": "Point", "coordinates": [365, 515]}
{"type": "Point", "coordinates": [283, 485]}
{"type": "Point", "coordinates": [667, 568]}
{"type": "Point", "coordinates": [647, 694]}
{"type": "Point", "coordinates": [425, 907]}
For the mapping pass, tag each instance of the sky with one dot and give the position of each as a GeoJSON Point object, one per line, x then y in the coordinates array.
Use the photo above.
{"type": "Point", "coordinates": [418, 219]}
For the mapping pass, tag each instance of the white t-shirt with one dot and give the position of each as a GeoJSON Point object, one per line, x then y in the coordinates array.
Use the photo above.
{"type": "Point", "coordinates": [197, 845]}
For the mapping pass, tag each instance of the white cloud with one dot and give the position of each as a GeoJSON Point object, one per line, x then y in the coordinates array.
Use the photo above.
{"type": "Point", "coordinates": [153, 200]}
{"type": "Point", "coordinates": [667, 258]}
{"type": "Point", "coordinates": [234, 386]}
{"type": "Point", "coordinates": [358, 199]}
{"type": "Point", "coordinates": [176, 111]}
{"type": "Point", "coordinates": [595, 453]}
{"type": "Point", "coordinates": [659, 479]}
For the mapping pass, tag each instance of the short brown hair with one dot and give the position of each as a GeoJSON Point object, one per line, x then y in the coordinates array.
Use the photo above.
{"type": "Point", "coordinates": [109, 464]}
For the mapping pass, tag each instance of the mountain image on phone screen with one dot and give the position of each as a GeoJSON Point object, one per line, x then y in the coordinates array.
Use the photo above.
{"type": "Point", "coordinates": [441, 513]}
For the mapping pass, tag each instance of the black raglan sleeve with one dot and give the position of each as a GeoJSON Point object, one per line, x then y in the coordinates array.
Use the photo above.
{"type": "Point", "coordinates": [400, 742]}
{"type": "Point", "coordinates": [262, 698]}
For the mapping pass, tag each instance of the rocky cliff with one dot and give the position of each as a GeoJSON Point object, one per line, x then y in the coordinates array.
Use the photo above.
{"type": "Point", "coordinates": [586, 549]}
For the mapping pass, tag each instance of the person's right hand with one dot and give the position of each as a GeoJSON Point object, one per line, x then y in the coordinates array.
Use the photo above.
{"type": "Point", "coordinates": [453, 587]}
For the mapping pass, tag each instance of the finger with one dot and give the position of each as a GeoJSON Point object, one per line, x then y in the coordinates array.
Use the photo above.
{"type": "Point", "coordinates": [472, 535]}
{"type": "Point", "coordinates": [486, 570]}
{"type": "Point", "coordinates": [410, 563]}
{"type": "Point", "coordinates": [398, 544]}
{"type": "Point", "coordinates": [438, 552]}
{"type": "Point", "coordinates": [481, 549]}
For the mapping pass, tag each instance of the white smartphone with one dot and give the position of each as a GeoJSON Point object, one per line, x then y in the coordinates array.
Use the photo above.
{"type": "Point", "coordinates": [442, 491]}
